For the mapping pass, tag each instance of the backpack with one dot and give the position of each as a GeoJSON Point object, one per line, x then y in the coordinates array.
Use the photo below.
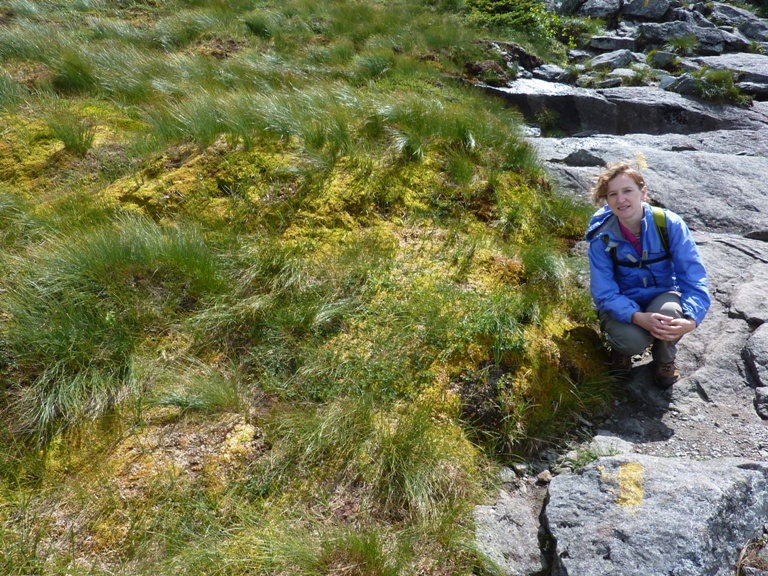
{"type": "Point", "coordinates": [660, 219]}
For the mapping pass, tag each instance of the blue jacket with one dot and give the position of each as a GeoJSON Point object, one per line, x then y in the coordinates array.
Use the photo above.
{"type": "Point", "coordinates": [621, 291]}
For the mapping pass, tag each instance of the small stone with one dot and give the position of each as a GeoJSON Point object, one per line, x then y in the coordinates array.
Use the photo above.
{"type": "Point", "coordinates": [545, 477]}
{"type": "Point", "coordinates": [508, 474]}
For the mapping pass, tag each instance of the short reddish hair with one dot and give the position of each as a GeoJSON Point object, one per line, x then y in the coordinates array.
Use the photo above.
{"type": "Point", "coordinates": [600, 190]}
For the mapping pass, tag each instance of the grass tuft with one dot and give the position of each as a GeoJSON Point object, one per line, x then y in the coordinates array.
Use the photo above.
{"type": "Point", "coordinates": [75, 133]}
{"type": "Point", "coordinates": [79, 308]}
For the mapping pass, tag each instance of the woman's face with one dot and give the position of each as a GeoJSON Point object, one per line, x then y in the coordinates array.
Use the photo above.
{"type": "Point", "coordinates": [625, 199]}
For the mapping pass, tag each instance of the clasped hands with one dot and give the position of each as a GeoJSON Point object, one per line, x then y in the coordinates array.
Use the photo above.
{"type": "Point", "coordinates": [664, 327]}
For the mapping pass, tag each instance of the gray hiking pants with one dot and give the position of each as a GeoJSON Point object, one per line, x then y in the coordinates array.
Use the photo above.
{"type": "Point", "coordinates": [631, 340]}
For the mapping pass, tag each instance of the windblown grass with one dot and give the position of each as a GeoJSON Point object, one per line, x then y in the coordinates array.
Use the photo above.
{"type": "Point", "coordinates": [11, 93]}
{"type": "Point", "coordinates": [75, 133]}
{"type": "Point", "coordinates": [79, 308]}
{"type": "Point", "coordinates": [290, 294]}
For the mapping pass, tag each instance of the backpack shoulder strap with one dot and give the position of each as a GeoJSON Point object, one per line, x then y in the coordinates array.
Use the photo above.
{"type": "Point", "coordinates": [612, 251]}
{"type": "Point", "coordinates": [660, 219]}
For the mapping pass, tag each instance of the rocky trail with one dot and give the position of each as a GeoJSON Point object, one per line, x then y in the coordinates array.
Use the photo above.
{"type": "Point", "coordinates": [672, 482]}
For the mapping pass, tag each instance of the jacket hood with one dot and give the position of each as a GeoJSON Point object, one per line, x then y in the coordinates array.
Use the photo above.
{"type": "Point", "coordinates": [598, 219]}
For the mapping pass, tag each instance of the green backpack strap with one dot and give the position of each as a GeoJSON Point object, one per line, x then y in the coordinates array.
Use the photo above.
{"type": "Point", "coordinates": [660, 219]}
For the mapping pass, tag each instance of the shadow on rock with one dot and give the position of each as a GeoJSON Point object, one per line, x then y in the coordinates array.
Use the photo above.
{"type": "Point", "coordinates": [637, 417]}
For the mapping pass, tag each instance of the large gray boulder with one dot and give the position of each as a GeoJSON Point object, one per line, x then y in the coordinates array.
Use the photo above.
{"type": "Point", "coordinates": [750, 25]}
{"type": "Point", "coordinates": [625, 110]}
{"type": "Point", "coordinates": [756, 354]}
{"type": "Point", "coordinates": [610, 43]}
{"type": "Point", "coordinates": [605, 9]}
{"type": "Point", "coordinates": [693, 17]}
{"type": "Point", "coordinates": [711, 40]}
{"type": "Point", "coordinates": [749, 67]}
{"type": "Point", "coordinates": [507, 532]}
{"type": "Point", "coordinates": [645, 9]}
{"type": "Point", "coordinates": [755, 30]}
{"type": "Point", "coordinates": [612, 60]}
{"type": "Point", "coordinates": [635, 515]}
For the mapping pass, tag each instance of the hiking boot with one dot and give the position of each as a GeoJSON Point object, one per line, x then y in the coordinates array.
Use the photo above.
{"type": "Point", "coordinates": [665, 374]}
{"type": "Point", "coordinates": [620, 365]}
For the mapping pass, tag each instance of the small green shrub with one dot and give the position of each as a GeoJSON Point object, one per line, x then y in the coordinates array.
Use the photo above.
{"type": "Point", "coordinates": [527, 17]}
{"type": "Point", "coordinates": [718, 85]}
{"type": "Point", "coordinates": [683, 45]}
{"type": "Point", "coordinates": [577, 32]}
{"type": "Point", "coordinates": [548, 121]}
{"type": "Point", "coordinates": [756, 47]}
{"type": "Point", "coordinates": [642, 76]}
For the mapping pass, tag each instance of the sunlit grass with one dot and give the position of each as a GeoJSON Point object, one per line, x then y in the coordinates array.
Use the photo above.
{"type": "Point", "coordinates": [182, 28]}
{"type": "Point", "coordinates": [201, 388]}
{"type": "Point", "coordinates": [252, 318]}
{"type": "Point", "coordinates": [11, 93]}
{"type": "Point", "coordinates": [79, 309]}
{"type": "Point", "coordinates": [75, 133]}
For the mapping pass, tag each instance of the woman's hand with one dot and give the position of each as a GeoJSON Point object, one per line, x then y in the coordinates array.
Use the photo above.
{"type": "Point", "coordinates": [664, 327]}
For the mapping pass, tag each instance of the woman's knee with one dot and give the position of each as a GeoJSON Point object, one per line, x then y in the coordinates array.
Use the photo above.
{"type": "Point", "coordinates": [628, 339]}
{"type": "Point", "coordinates": [667, 304]}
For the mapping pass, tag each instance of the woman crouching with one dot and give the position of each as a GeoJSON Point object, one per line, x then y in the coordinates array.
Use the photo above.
{"type": "Point", "coordinates": [647, 277]}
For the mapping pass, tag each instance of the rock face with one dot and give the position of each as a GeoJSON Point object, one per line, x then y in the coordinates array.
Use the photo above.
{"type": "Point", "coordinates": [712, 51]}
{"type": "Point", "coordinates": [632, 510]}
{"type": "Point", "coordinates": [678, 484]}
{"type": "Point", "coordinates": [625, 110]}
{"type": "Point", "coordinates": [714, 179]}
{"type": "Point", "coordinates": [509, 530]}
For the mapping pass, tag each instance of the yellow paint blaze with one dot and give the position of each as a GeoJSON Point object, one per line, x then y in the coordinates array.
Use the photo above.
{"type": "Point", "coordinates": [630, 484]}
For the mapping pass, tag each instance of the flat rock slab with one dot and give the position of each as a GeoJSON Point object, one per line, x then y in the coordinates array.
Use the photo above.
{"type": "Point", "coordinates": [715, 180]}
{"type": "Point", "coordinates": [635, 515]}
{"type": "Point", "coordinates": [752, 67]}
{"type": "Point", "coordinates": [625, 110]}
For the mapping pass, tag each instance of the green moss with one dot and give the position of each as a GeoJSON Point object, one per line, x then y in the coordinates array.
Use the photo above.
{"type": "Point", "coordinates": [365, 243]}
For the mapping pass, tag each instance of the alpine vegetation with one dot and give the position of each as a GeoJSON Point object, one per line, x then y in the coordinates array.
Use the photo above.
{"type": "Point", "coordinates": [278, 289]}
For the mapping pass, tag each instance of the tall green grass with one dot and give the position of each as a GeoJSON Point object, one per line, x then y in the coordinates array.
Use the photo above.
{"type": "Point", "coordinates": [11, 92]}
{"type": "Point", "coordinates": [282, 311]}
{"type": "Point", "coordinates": [81, 304]}
{"type": "Point", "coordinates": [17, 223]}
{"type": "Point", "coordinates": [388, 129]}
{"type": "Point", "coordinates": [391, 462]}
{"type": "Point", "coordinates": [77, 134]}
